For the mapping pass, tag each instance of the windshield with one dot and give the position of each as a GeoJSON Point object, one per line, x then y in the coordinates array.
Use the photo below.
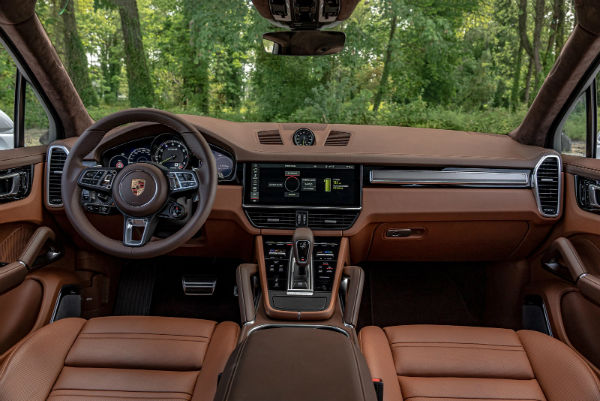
{"type": "Point", "coordinates": [473, 65]}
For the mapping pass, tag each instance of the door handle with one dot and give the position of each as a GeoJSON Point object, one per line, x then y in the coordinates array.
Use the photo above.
{"type": "Point", "coordinates": [593, 195]}
{"type": "Point", "coordinates": [562, 250]}
{"type": "Point", "coordinates": [11, 184]}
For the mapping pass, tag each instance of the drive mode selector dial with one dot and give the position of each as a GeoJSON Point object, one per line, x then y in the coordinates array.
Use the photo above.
{"type": "Point", "coordinates": [292, 184]}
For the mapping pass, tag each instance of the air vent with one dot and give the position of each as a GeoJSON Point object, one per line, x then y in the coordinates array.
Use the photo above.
{"type": "Point", "coordinates": [317, 220]}
{"type": "Point", "coordinates": [270, 137]}
{"type": "Point", "coordinates": [338, 138]}
{"type": "Point", "coordinates": [273, 218]}
{"type": "Point", "coordinates": [57, 155]}
{"type": "Point", "coordinates": [547, 185]}
{"type": "Point", "coordinates": [332, 220]}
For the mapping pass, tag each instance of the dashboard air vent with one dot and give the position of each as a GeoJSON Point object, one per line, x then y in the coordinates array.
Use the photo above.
{"type": "Point", "coordinates": [332, 220]}
{"type": "Point", "coordinates": [317, 220]}
{"type": "Point", "coordinates": [547, 185]}
{"type": "Point", "coordinates": [272, 137]}
{"type": "Point", "coordinates": [273, 218]}
{"type": "Point", "coordinates": [338, 138]}
{"type": "Point", "coordinates": [57, 155]}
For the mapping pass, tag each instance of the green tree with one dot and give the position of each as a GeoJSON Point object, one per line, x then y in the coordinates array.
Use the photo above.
{"type": "Point", "coordinates": [75, 57]}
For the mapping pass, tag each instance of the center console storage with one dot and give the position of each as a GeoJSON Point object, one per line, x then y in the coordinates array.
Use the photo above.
{"type": "Point", "coordinates": [296, 363]}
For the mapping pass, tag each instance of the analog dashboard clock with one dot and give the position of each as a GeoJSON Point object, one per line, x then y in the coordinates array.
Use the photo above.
{"type": "Point", "coordinates": [304, 137]}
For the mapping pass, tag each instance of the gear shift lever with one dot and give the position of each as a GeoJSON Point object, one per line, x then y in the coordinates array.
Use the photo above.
{"type": "Point", "coordinates": [303, 243]}
{"type": "Point", "coordinates": [300, 273]}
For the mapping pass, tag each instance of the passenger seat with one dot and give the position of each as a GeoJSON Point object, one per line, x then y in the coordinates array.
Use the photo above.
{"type": "Point", "coordinates": [450, 363]}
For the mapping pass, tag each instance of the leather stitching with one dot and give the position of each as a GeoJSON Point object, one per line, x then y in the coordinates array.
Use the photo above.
{"type": "Point", "coordinates": [457, 343]}
{"type": "Point", "coordinates": [463, 348]}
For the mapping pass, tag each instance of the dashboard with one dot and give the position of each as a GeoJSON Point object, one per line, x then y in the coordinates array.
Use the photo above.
{"type": "Point", "coordinates": [168, 150]}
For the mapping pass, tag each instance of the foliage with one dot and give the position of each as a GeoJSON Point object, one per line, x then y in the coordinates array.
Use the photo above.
{"type": "Point", "coordinates": [450, 64]}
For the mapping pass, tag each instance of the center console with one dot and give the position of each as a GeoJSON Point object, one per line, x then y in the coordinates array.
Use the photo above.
{"type": "Point", "coordinates": [301, 274]}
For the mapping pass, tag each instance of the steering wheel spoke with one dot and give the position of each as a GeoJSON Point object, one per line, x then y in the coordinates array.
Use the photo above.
{"type": "Point", "coordinates": [182, 181]}
{"type": "Point", "coordinates": [97, 178]}
{"type": "Point", "coordinates": [137, 231]}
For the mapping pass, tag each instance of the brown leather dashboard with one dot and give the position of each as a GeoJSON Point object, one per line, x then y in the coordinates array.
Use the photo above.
{"type": "Point", "coordinates": [445, 223]}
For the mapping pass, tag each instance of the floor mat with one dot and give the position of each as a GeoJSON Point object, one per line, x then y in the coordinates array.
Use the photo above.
{"type": "Point", "coordinates": [422, 293]}
{"type": "Point", "coordinates": [169, 299]}
{"type": "Point", "coordinates": [136, 285]}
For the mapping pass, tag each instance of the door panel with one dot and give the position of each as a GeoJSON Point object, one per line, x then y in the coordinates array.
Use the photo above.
{"type": "Point", "coordinates": [28, 292]}
{"type": "Point", "coordinates": [572, 296]}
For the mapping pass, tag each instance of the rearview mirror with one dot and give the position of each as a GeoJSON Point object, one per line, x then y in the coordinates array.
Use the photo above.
{"type": "Point", "coordinates": [304, 43]}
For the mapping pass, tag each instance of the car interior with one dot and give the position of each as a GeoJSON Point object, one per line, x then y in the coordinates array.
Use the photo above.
{"type": "Point", "coordinates": [158, 256]}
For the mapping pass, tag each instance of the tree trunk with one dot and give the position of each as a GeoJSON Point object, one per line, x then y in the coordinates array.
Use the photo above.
{"type": "Point", "coordinates": [514, 96]}
{"type": "Point", "coordinates": [528, 82]}
{"type": "Point", "coordinates": [552, 37]}
{"type": "Point", "coordinates": [75, 57]}
{"type": "Point", "coordinates": [141, 92]}
{"type": "Point", "coordinates": [540, 8]}
{"type": "Point", "coordinates": [111, 68]}
{"type": "Point", "coordinates": [560, 26]}
{"type": "Point", "coordinates": [386, 66]}
{"type": "Point", "coordinates": [194, 67]}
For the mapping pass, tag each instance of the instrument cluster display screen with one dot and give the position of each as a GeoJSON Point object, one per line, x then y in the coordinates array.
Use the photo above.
{"type": "Point", "coordinates": [302, 184]}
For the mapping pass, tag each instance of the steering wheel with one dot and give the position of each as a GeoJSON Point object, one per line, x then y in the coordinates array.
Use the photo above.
{"type": "Point", "coordinates": [142, 192]}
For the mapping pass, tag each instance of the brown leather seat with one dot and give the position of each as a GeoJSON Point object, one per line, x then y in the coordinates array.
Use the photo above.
{"type": "Point", "coordinates": [451, 363]}
{"type": "Point", "coordinates": [119, 358]}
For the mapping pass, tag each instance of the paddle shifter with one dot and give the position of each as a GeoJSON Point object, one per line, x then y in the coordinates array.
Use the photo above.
{"type": "Point", "coordinates": [300, 277]}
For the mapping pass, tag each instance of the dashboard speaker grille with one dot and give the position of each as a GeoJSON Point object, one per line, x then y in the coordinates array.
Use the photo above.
{"type": "Point", "coordinates": [57, 156]}
{"type": "Point", "coordinates": [547, 181]}
{"type": "Point", "coordinates": [317, 220]}
{"type": "Point", "coordinates": [272, 137]}
{"type": "Point", "coordinates": [338, 138]}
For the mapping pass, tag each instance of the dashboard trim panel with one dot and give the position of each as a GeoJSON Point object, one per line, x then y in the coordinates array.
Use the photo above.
{"type": "Point", "coordinates": [472, 178]}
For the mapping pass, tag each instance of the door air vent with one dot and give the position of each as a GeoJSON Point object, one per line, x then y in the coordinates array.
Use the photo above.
{"type": "Point", "coordinates": [338, 138]}
{"type": "Point", "coordinates": [272, 137]}
{"type": "Point", "coordinates": [547, 181]}
{"type": "Point", "coordinates": [317, 220]}
{"type": "Point", "coordinates": [57, 155]}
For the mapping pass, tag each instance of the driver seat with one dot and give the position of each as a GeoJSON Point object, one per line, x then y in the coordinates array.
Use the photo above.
{"type": "Point", "coordinates": [119, 358]}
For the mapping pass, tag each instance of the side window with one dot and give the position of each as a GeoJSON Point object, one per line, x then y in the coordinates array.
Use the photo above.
{"type": "Point", "coordinates": [23, 118]}
{"type": "Point", "coordinates": [574, 129]}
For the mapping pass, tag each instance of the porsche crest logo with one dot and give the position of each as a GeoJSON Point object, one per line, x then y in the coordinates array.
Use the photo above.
{"type": "Point", "coordinates": [137, 186]}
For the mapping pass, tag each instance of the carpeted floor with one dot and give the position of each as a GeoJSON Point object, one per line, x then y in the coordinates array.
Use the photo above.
{"type": "Point", "coordinates": [422, 293]}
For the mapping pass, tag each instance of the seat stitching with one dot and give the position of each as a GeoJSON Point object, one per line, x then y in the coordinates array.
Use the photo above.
{"type": "Point", "coordinates": [454, 342]}
{"type": "Point", "coordinates": [148, 334]}
{"type": "Point", "coordinates": [125, 391]}
{"type": "Point", "coordinates": [145, 338]}
{"type": "Point", "coordinates": [465, 348]}
{"type": "Point", "coordinates": [471, 398]}
{"type": "Point", "coordinates": [120, 398]}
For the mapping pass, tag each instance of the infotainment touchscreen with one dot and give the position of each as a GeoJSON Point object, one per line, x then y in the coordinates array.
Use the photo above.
{"type": "Point", "coordinates": [303, 184]}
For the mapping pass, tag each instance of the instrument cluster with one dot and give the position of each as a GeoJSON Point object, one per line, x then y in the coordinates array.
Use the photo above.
{"type": "Point", "coordinates": [167, 150]}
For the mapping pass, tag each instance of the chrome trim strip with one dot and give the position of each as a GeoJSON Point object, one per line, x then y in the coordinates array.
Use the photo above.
{"type": "Point", "coordinates": [48, 170]}
{"type": "Point", "coordinates": [502, 178]}
{"type": "Point", "coordinates": [560, 184]}
{"type": "Point", "coordinates": [298, 325]}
